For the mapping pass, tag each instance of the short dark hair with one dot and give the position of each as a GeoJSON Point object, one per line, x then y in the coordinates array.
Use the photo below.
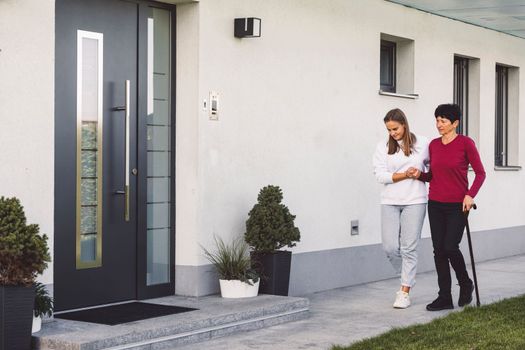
{"type": "Point", "coordinates": [450, 111]}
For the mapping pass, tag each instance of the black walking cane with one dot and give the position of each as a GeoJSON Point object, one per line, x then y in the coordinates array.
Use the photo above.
{"type": "Point", "coordinates": [472, 255]}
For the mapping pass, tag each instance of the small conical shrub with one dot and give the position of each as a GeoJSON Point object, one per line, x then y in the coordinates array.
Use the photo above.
{"type": "Point", "coordinates": [270, 225]}
{"type": "Point", "coordinates": [23, 252]}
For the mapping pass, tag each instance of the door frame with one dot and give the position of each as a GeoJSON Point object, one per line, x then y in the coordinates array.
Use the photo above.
{"type": "Point", "coordinates": [140, 289]}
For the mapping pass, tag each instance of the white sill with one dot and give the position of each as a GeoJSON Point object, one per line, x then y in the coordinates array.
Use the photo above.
{"type": "Point", "coordinates": [394, 94]}
{"type": "Point", "coordinates": [508, 168]}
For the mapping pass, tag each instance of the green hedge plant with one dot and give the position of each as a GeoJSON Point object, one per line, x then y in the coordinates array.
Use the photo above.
{"type": "Point", "coordinates": [270, 225]}
{"type": "Point", "coordinates": [23, 252]}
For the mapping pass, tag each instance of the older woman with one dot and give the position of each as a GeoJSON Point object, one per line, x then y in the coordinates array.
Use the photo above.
{"type": "Point", "coordinates": [449, 198]}
{"type": "Point", "coordinates": [403, 200]}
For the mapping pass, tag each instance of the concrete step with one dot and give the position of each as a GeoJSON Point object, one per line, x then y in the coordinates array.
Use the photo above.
{"type": "Point", "coordinates": [215, 317]}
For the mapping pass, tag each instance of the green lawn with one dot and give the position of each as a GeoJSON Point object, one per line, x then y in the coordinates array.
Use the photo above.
{"type": "Point", "coordinates": [496, 326]}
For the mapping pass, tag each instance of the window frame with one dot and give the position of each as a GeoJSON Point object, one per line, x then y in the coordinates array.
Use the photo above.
{"type": "Point", "coordinates": [461, 92]}
{"type": "Point", "coordinates": [501, 116]}
{"type": "Point", "coordinates": [391, 48]}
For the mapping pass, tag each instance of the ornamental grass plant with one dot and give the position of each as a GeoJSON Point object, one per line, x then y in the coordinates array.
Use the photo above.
{"type": "Point", "coordinates": [232, 261]}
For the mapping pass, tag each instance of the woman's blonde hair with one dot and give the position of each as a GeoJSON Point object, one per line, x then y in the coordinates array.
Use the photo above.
{"type": "Point", "coordinates": [408, 139]}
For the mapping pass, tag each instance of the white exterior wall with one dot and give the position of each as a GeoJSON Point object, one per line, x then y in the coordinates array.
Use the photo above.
{"type": "Point", "coordinates": [187, 135]}
{"type": "Point", "coordinates": [299, 108]}
{"type": "Point", "coordinates": [27, 31]}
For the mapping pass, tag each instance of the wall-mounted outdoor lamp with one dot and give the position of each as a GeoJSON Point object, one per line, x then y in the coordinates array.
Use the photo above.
{"type": "Point", "coordinates": [247, 27]}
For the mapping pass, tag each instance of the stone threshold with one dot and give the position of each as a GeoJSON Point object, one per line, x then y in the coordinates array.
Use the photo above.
{"type": "Point", "coordinates": [216, 317]}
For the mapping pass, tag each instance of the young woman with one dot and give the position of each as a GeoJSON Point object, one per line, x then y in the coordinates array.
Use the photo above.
{"type": "Point", "coordinates": [449, 199]}
{"type": "Point", "coordinates": [403, 200]}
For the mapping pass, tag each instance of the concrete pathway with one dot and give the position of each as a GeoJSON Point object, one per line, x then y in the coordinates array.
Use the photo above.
{"type": "Point", "coordinates": [345, 315]}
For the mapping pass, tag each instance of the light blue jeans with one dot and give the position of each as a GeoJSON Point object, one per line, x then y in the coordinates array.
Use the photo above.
{"type": "Point", "coordinates": [400, 231]}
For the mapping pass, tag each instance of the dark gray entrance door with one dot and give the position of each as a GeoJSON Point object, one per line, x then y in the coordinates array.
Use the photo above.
{"type": "Point", "coordinates": [95, 258]}
{"type": "Point", "coordinates": [114, 158]}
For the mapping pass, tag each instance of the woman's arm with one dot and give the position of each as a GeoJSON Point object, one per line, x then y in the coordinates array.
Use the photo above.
{"type": "Point", "coordinates": [474, 159]}
{"type": "Point", "coordinates": [414, 173]}
{"type": "Point", "coordinates": [425, 176]}
{"type": "Point", "coordinates": [396, 177]}
{"type": "Point", "coordinates": [380, 168]}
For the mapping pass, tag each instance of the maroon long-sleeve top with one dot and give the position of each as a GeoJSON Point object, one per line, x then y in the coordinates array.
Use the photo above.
{"type": "Point", "coordinates": [448, 170]}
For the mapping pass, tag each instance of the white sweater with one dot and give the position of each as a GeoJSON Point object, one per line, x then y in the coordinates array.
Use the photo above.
{"type": "Point", "coordinates": [404, 192]}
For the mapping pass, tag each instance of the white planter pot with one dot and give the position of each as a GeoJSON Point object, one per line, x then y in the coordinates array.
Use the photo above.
{"type": "Point", "coordinates": [238, 289]}
{"type": "Point", "coordinates": [37, 324]}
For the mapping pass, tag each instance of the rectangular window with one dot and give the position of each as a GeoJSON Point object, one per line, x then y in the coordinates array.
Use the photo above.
{"type": "Point", "coordinates": [159, 155]}
{"type": "Point", "coordinates": [396, 66]}
{"type": "Point", "coordinates": [506, 142]}
{"type": "Point", "coordinates": [461, 91]}
{"type": "Point", "coordinates": [502, 116]}
{"type": "Point", "coordinates": [89, 150]}
{"type": "Point", "coordinates": [388, 66]}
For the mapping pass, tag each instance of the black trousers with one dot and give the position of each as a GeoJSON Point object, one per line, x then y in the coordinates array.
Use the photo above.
{"type": "Point", "coordinates": [447, 222]}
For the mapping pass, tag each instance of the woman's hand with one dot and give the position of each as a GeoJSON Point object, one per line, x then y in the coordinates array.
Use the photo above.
{"type": "Point", "coordinates": [413, 173]}
{"type": "Point", "coordinates": [468, 201]}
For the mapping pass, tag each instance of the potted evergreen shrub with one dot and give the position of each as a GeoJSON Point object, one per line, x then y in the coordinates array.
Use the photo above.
{"type": "Point", "coordinates": [270, 227]}
{"type": "Point", "coordinates": [23, 255]}
{"type": "Point", "coordinates": [237, 279]}
{"type": "Point", "coordinates": [43, 306]}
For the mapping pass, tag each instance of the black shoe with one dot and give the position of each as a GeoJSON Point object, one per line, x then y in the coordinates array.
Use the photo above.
{"type": "Point", "coordinates": [465, 294]}
{"type": "Point", "coordinates": [441, 303]}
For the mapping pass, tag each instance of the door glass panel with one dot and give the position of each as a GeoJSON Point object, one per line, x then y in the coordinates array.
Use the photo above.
{"type": "Point", "coordinates": [159, 148]}
{"type": "Point", "coordinates": [89, 150]}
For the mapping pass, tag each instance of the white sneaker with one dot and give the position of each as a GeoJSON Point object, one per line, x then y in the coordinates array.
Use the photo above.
{"type": "Point", "coordinates": [402, 300]}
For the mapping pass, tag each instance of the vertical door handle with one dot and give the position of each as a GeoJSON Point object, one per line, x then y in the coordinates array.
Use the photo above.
{"type": "Point", "coordinates": [127, 155]}
{"type": "Point", "coordinates": [125, 108]}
